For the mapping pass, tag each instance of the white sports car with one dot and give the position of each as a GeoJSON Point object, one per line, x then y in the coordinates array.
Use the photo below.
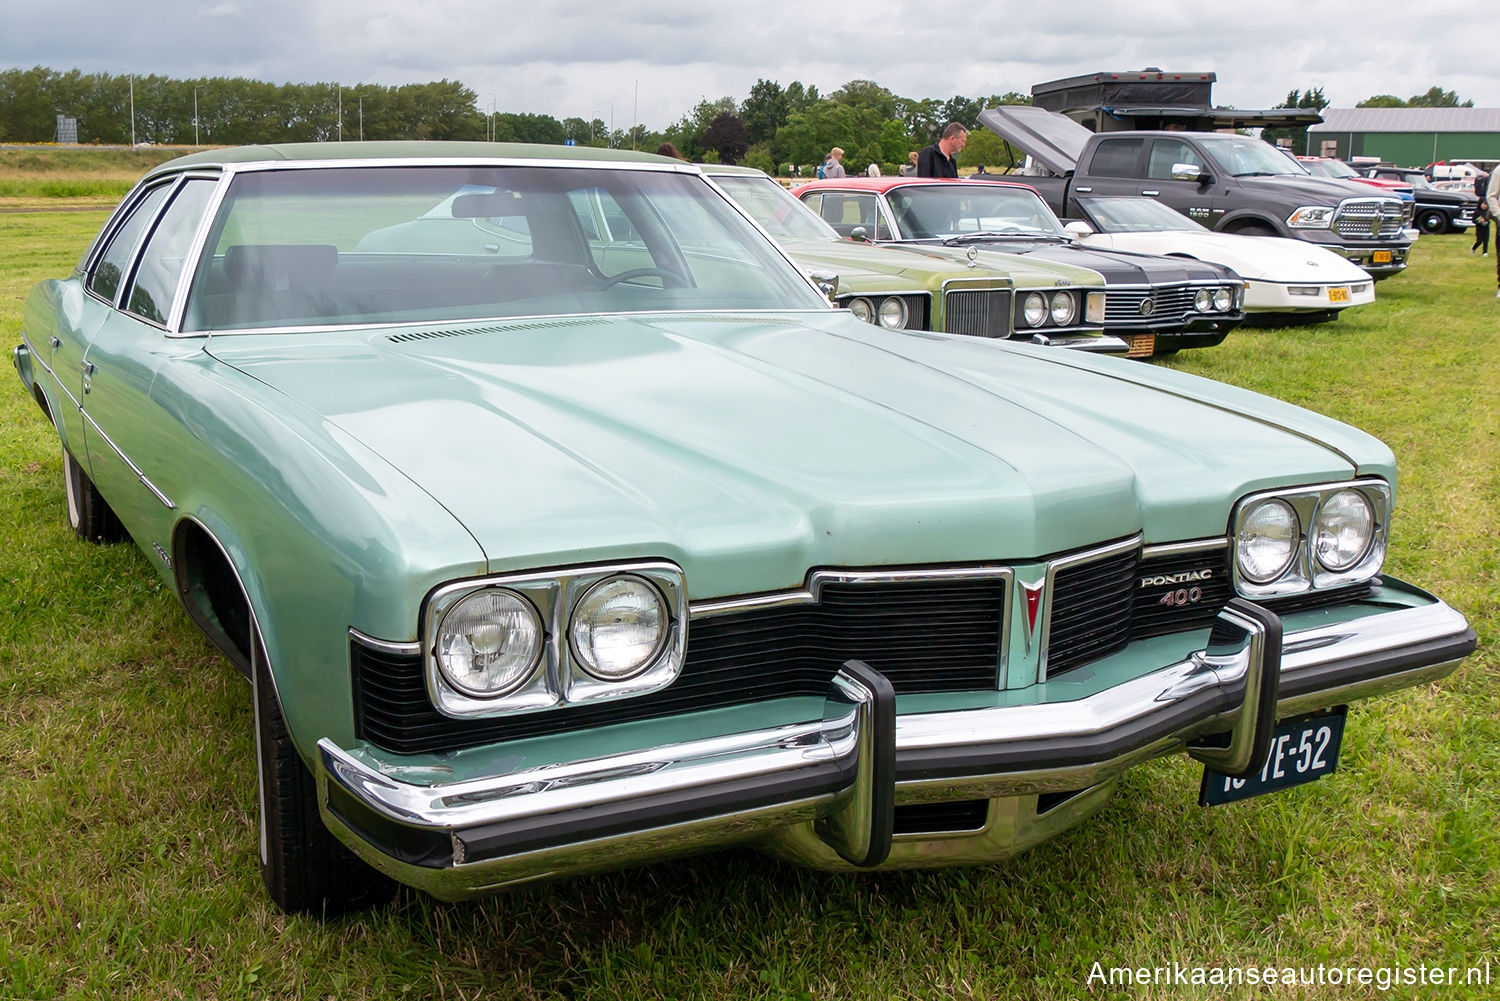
{"type": "Point", "coordinates": [1283, 278]}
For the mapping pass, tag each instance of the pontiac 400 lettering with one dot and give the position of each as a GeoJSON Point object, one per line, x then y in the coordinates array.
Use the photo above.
{"type": "Point", "coordinates": [549, 549]}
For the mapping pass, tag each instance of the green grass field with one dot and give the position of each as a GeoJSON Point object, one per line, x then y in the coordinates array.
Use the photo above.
{"type": "Point", "coordinates": [128, 861]}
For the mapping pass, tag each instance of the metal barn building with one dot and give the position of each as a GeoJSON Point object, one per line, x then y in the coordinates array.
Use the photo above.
{"type": "Point", "coordinates": [1409, 137]}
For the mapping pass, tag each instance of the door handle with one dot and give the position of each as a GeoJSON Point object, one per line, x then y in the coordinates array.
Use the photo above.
{"type": "Point", "coordinates": [55, 341]}
{"type": "Point", "coordinates": [88, 368]}
{"type": "Point", "coordinates": [1083, 191]}
{"type": "Point", "coordinates": [1151, 194]}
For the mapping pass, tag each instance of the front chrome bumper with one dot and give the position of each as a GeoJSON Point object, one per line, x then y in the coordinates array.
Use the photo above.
{"type": "Point", "coordinates": [824, 791]}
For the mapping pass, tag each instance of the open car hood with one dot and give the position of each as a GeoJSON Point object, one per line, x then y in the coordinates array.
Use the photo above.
{"type": "Point", "coordinates": [1055, 141]}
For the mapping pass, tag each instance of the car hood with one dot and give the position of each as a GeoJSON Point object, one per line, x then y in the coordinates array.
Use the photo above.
{"type": "Point", "coordinates": [1119, 267]}
{"type": "Point", "coordinates": [751, 449]}
{"type": "Point", "coordinates": [1307, 190]}
{"type": "Point", "coordinates": [1255, 258]}
{"type": "Point", "coordinates": [863, 264]}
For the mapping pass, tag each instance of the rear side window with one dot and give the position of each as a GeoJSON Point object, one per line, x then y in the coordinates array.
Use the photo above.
{"type": "Point", "coordinates": [162, 261]}
{"type": "Point", "coordinates": [1117, 158]}
{"type": "Point", "coordinates": [110, 270]}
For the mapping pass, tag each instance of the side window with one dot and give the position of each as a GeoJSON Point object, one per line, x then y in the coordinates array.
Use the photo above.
{"type": "Point", "coordinates": [846, 211]}
{"type": "Point", "coordinates": [814, 201]}
{"type": "Point", "coordinates": [110, 270]}
{"type": "Point", "coordinates": [1117, 158]}
{"type": "Point", "coordinates": [1167, 152]}
{"type": "Point", "coordinates": [163, 260]}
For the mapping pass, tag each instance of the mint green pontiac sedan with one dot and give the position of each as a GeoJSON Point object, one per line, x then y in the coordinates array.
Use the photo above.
{"type": "Point", "coordinates": [559, 524]}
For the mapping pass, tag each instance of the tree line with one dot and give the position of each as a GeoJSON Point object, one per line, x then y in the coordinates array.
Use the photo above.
{"type": "Point", "coordinates": [773, 128]}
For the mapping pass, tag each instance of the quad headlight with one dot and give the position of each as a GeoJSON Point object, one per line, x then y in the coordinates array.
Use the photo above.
{"type": "Point", "coordinates": [1223, 300]}
{"type": "Point", "coordinates": [890, 312]}
{"type": "Point", "coordinates": [1034, 310]}
{"type": "Point", "coordinates": [488, 644]}
{"type": "Point", "coordinates": [523, 642]}
{"type": "Point", "coordinates": [1289, 541]}
{"type": "Point", "coordinates": [618, 627]}
{"type": "Point", "coordinates": [1063, 308]}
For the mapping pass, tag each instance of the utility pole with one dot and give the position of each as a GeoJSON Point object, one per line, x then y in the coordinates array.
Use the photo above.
{"type": "Point", "coordinates": [195, 117]}
{"type": "Point", "coordinates": [361, 118]}
{"type": "Point", "coordinates": [341, 110]}
{"type": "Point", "coordinates": [132, 111]}
{"type": "Point", "coordinates": [635, 112]}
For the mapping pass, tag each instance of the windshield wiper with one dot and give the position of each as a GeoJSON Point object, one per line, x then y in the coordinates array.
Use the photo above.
{"type": "Point", "coordinates": [1262, 173]}
{"type": "Point", "coordinates": [962, 238]}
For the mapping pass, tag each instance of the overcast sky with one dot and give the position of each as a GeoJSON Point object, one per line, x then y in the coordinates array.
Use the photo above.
{"type": "Point", "coordinates": [652, 60]}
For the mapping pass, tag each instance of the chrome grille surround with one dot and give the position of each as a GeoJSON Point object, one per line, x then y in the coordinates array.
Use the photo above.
{"type": "Point", "coordinates": [1369, 218]}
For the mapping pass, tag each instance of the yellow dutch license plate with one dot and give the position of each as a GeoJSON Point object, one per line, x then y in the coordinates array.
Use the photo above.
{"type": "Point", "coordinates": [1141, 346]}
{"type": "Point", "coordinates": [1338, 295]}
{"type": "Point", "coordinates": [1381, 257]}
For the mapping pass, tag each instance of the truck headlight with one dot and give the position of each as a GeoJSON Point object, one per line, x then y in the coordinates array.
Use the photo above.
{"type": "Point", "coordinates": [619, 627]}
{"type": "Point", "coordinates": [1311, 217]}
{"type": "Point", "coordinates": [489, 643]}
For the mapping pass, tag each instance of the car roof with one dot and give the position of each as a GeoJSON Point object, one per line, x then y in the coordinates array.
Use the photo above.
{"type": "Point", "coordinates": [410, 150]}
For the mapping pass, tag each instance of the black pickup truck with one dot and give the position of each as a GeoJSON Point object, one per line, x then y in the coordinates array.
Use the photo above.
{"type": "Point", "coordinates": [1227, 182]}
{"type": "Point", "coordinates": [1436, 211]}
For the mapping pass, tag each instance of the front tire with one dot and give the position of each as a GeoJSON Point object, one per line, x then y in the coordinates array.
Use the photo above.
{"type": "Point", "coordinates": [305, 868]}
{"type": "Point", "coordinates": [1255, 229]}
{"type": "Point", "coordinates": [1433, 222]}
{"type": "Point", "coordinates": [88, 514]}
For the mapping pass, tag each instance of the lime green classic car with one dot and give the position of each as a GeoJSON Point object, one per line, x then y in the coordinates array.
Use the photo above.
{"type": "Point", "coordinates": [931, 288]}
{"type": "Point", "coordinates": [549, 549]}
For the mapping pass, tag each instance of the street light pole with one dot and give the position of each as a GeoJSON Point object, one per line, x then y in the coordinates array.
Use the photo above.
{"type": "Point", "coordinates": [611, 122]}
{"type": "Point", "coordinates": [195, 117]}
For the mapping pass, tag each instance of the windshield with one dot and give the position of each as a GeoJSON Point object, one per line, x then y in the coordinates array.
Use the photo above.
{"type": "Point", "coordinates": [775, 208]}
{"type": "Point", "coordinates": [972, 209]}
{"type": "Point", "coordinates": [1128, 214]}
{"type": "Point", "coordinates": [405, 244]}
{"type": "Point", "coordinates": [1243, 156]}
{"type": "Point", "coordinates": [1329, 168]}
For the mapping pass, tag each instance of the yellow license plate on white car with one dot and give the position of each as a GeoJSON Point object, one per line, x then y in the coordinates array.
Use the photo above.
{"type": "Point", "coordinates": [1381, 257]}
{"type": "Point", "coordinates": [1338, 295]}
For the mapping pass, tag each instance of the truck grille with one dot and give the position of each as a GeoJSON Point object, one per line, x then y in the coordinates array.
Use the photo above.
{"type": "Point", "coordinates": [981, 312]}
{"type": "Point", "coordinates": [1369, 218]}
{"type": "Point", "coordinates": [925, 635]}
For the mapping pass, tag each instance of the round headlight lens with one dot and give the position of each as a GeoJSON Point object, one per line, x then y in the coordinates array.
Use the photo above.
{"type": "Point", "coordinates": [1267, 542]}
{"type": "Point", "coordinates": [1036, 309]}
{"type": "Point", "coordinates": [1063, 308]}
{"type": "Point", "coordinates": [488, 644]}
{"type": "Point", "coordinates": [893, 313]}
{"type": "Point", "coordinates": [862, 309]}
{"type": "Point", "coordinates": [1203, 300]}
{"type": "Point", "coordinates": [1223, 300]}
{"type": "Point", "coordinates": [619, 626]}
{"type": "Point", "coordinates": [1346, 526]}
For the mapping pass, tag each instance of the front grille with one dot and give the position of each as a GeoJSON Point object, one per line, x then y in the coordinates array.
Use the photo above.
{"type": "Point", "coordinates": [926, 635]}
{"type": "Point", "coordinates": [1369, 218]}
{"type": "Point", "coordinates": [981, 312]}
{"type": "Point", "coordinates": [1169, 304]}
{"type": "Point", "coordinates": [1090, 610]}
{"type": "Point", "coordinates": [939, 635]}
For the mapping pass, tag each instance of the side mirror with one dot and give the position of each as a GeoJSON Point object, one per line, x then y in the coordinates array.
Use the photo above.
{"type": "Point", "coordinates": [1078, 229]}
{"type": "Point", "coordinates": [1190, 172]}
{"type": "Point", "coordinates": [859, 235]}
{"type": "Point", "coordinates": [827, 282]}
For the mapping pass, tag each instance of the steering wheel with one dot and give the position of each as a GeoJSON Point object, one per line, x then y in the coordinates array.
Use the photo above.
{"type": "Point", "coordinates": [624, 276]}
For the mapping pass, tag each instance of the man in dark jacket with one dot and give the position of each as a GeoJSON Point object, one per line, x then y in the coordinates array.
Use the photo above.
{"type": "Point", "coordinates": [941, 158]}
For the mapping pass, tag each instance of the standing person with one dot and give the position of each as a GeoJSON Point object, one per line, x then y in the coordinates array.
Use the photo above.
{"type": "Point", "coordinates": [667, 149]}
{"type": "Point", "coordinates": [1492, 200]}
{"type": "Point", "coordinates": [940, 159]}
{"type": "Point", "coordinates": [1482, 220]}
{"type": "Point", "coordinates": [909, 168]}
{"type": "Point", "coordinates": [835, 166]}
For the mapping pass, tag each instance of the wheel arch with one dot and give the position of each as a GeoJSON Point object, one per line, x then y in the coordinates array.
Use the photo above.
{"type": "Point", "coordinates": [213, 592]}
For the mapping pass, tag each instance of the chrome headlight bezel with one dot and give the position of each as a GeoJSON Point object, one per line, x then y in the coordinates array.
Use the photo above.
{"type": "Point", "coordinates": [1223, 299]}
{"type": "Point", "coordinates": [1203, 300]}
{"type": "Point", "coordinates": [862, 308]}
{"type": "Point", "coordinates": [1304, 571]}
{"type": "Point", "coordinates": [559, 676]}
{"type": "Point", "coordinates": [898, 314]}
{"type": "Point", "coordinates": [1063, 309]}
{"type": "Point", "coordinates": [1034, 309]}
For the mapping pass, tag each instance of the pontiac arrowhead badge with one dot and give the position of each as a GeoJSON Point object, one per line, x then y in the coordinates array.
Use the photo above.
{"type": "Point", "coordinates": [1033, 594]}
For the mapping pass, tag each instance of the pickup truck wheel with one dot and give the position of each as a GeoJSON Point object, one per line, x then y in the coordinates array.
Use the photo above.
{"type": "Point", "coordinates": [1255, 229]}
{"type": "Point", "coordinates": [305, 868]}
{"type": "Point", "coordinates": [1433, 221]}
{"type": "Point", "coordinates": [88, 514]}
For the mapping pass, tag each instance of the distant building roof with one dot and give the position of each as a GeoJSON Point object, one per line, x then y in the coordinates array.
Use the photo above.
{"type": "Point", "coordinates": [1409, 120]}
